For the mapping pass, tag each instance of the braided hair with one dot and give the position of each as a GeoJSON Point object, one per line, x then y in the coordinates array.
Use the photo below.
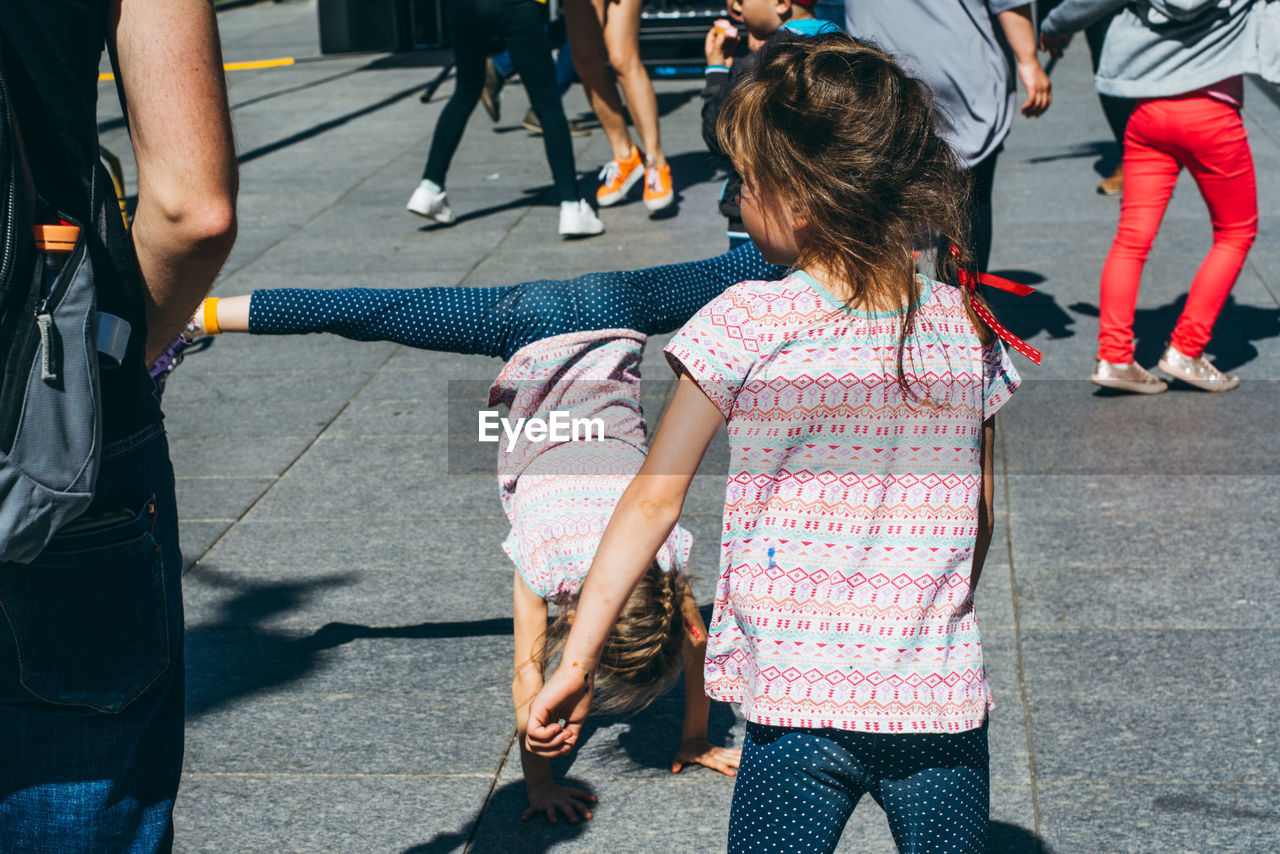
{"type": "Point", "coordinates": [641, 658]}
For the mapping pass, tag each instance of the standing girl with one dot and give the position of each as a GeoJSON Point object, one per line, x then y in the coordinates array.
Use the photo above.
{"type": "Point", "coordinates": [859, 398]}
{"type": "Point", "coordinates": [1182, 60]}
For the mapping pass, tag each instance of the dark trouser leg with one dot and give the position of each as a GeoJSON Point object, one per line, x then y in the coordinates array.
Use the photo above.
{"type": "Point", "coordinates": [980, 226]}
{"type": "Point", "coordinates": [471, 38]}
{"type": "Point", "coordinates": [91, 710]}
{"type": "Point", "coordinates": [1117, 110]}
{"type": "Point", "coordinates": [530, 50]}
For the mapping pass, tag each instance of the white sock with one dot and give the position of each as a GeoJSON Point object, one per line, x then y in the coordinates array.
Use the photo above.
{"type": "Point", "coordinates": [431, 185]}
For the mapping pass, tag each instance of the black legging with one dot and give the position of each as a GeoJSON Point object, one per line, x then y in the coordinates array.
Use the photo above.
{"type": "Point", "coordinates": [478, 28]}
{"type": "Point", "coordinates": [1117, 110]}
{"type": "Point", "coordinates": [983, 174]}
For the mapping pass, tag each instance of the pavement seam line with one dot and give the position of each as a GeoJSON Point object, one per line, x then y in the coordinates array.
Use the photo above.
{"type": "Point", "coordinates": [1017, 645]}
{"type": "Point", "coordinates": [493, 787]}
{"type": "Point", "coordinates": [351, 189]}
{"type": "Point", "coordinates": [417, 145]}
{"type": "Point", "coordinates": [301, 453]}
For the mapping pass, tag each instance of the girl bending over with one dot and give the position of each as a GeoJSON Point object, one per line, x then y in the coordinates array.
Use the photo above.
{"type": "Point", "coordinates": [571, 346]}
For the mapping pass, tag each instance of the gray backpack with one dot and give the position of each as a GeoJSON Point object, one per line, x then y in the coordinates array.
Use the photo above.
{"type": "Point", "coordinates": [50, 409]}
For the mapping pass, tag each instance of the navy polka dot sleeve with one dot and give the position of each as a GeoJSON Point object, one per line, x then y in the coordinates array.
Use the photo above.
{"type": "Point", "coordinates": [498, 321]}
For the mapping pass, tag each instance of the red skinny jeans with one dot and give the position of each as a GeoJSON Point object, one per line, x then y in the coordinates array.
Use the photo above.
{"type": "Point", "coordinates": [1208, 138]}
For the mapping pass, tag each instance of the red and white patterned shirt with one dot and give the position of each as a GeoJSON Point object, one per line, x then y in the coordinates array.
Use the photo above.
{"type": "Point", "coordinates": [850, 514]}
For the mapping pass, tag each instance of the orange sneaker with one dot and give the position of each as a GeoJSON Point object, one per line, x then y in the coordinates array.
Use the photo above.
{"type": "Point", "coordinates": [619, 176]}
{"type": "Point", "coordinates": [657, 187]}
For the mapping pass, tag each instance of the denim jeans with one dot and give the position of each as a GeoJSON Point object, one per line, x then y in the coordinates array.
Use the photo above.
{"type": "Point", "coordinates": [91, 677]}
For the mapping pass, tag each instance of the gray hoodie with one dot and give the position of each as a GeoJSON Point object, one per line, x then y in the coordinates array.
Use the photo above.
{"type": "Point", "coordinates": [1162, 48]}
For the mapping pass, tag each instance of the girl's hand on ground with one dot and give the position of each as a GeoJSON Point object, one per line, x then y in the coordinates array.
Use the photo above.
{"type": "Point", "coordinates": [1039, 89]}
{"type": "Point", "coordinates": [699, 751]}
{"type": "Point", "coordinates": [566, 697]}
{"type": "Point", "coordinates": [550, 797]}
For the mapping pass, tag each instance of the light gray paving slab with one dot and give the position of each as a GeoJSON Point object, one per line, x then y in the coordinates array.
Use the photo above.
{"type": "Point", "coordinates": [273, 813]}
{"type": "Point", "coordinates": [224, 499]}
{"type": "Point", "coordinates": [1177, 568]}
{"type": "Point", "coordinates": [1151, 706]}
{"type": "Point", "coordinates": [1150, 818]}
{"type": "Point", "coordinates": [196, 538]}
{"type": "Point", "coordinates": [388, 477]}
{"type": "Point", "coordinates": [1064, 427]}
{"type": "Point", "coordinates": [375, 574]}
{"type": "Point", "coordinates": [429, 698]}
{"type": "Point", "coordinates": [227, 457]}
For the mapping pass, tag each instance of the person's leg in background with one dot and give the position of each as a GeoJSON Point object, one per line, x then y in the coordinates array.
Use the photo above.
{"type": "Point", "coordinates": [980, 224]}
{"type": "Point", "coordinates": [496, 71]}
{"type": "Point", "coordinates": [584, 20]}
{"type": "Point", "coordinates": [796, 789]}
{"type": "Point", "coordinates": [622, 38]}
{"type": "Point", "coordinates": [91, 706]}
{"type": "Point", "coordinates": [1150, 176]}
{"type": "Point", "coordinates": [566, 74]}
{"type": "Point", "coordinates": [472, 32]}
{"type": "Point", "coordinates": [1116, 110]}
{"type": "Point", "coordinates": [1214, 146]}
{"type": "Point", "coordinates": [530, 50]}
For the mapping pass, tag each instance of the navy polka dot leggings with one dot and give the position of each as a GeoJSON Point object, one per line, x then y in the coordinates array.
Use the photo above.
{"type": "Point", "coordinates": [498, 321]}
{"type": "Point", "coordinates": [796, 789]}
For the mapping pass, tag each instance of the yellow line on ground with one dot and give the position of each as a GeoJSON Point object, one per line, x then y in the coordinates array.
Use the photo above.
{"type": "Point", "coordinates": [234, 66]}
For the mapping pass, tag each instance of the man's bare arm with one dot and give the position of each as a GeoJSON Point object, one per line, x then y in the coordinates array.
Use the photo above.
{"type": "Point", "coordinates": [171, 69]}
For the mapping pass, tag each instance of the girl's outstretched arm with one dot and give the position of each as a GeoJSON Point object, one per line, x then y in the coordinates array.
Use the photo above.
{"type": "Point", "coordinates": [545, 794]}
{"type": "Point", "coordinates": [694, 747]}
{"type": "Point", "coordinates": [639, 526]}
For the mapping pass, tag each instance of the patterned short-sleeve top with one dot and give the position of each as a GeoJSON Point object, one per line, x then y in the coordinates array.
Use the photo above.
{"type": "Point", "coordinates": [559, 494]}
{"type": "Point", "coordinates": [850, 515]}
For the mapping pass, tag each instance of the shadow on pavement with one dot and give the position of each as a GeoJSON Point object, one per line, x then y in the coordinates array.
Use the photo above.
{"type": "Point", "coordinates": [1032, 314]}
{"type": "Point", "coordinates": [1105, 150]}
{"type": "Point", "coordinates": [533, 197]}
{"type": "Point", "coordinates": [505, 831]}
{"type": "Point", "coordinates": [1231, 346]}
{"type": "Point", "coordinates": [538, 835]}
{"type": "Point", "coordinates": [1005, 838]}
{"type": "Point", "coordinates": [669, 102]}
{"type": "Point", "coordinates": [328, 125]}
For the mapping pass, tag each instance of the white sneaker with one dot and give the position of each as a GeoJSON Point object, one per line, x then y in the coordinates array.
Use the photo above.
{"type": "Point", "coordinates": [430, 201]}
{"type": "Point", "coordinates": [577, 219]}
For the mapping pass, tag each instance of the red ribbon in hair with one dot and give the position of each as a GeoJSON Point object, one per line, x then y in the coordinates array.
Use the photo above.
{"type": "Point", "coordinates": [968, 280]}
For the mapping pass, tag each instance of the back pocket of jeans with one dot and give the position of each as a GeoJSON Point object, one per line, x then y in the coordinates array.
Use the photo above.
{"type": "Point", "coordinates": [89, 616]}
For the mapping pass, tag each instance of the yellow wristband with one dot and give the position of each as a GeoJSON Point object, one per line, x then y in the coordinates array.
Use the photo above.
{"type": "Point", "coordinates": [210, 316]}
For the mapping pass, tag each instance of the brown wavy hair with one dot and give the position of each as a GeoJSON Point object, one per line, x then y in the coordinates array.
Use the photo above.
{"type": "Point", "coordinates": [834, 129]}
{"type": "Point", "coordinates": [641, 658]}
